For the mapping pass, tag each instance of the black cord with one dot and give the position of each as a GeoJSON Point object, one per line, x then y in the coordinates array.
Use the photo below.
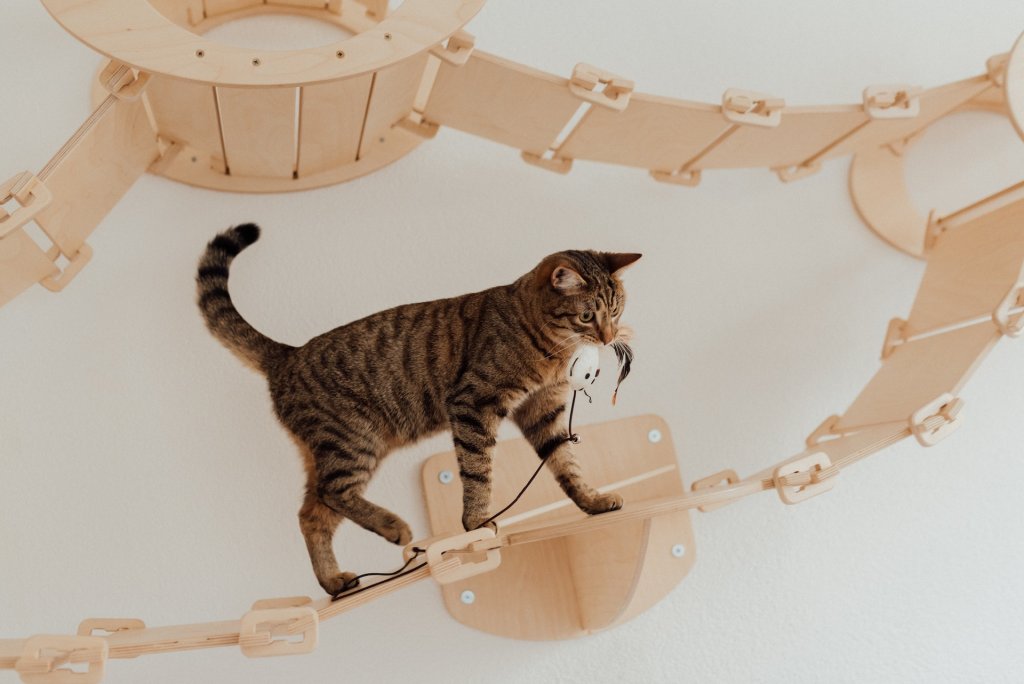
{"type": "Point", "coordinates": [353, 584]}
{"type": "Point", "coordinates": [352, 587]}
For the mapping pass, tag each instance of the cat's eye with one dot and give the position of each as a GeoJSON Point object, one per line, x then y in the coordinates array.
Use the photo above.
{"type": "Point", "coordinates": [587, 316]}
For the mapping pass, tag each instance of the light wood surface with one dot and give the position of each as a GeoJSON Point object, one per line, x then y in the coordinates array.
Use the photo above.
{"type": "Point", "coordinates": [917, 372]}
{"type": "Point", "coordinates": [391, 98]}
{"type": "Point", "coordinates": [135, 33]}
{"type": "Point", "coordinates": [331, 124]}
{"type": "Point", "coordinates": [186, 113]}
{"type": "Point", "coordinates": [259, 129]}
{"type": "Point", "coordinates": [578, 584]}
{"type": "Point", "coordinates": [970, 270]}
{"type": "Point", "coordinates": [502, 101]}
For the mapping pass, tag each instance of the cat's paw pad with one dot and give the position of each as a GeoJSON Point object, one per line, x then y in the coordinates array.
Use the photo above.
{"type": "Point", "coordinates": [396, 531]}
{"type": "Point", "coordinates": [603, 503]}
{"type": "Point", "coordinates": [339, 583]}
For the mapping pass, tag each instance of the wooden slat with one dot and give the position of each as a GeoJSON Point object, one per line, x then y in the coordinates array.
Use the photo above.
{"type": "Point", "coordinates": [130, 643]}
{"type": "Point", "coordinates": [970, 269]}
{"type": "Point", "coordinates": [391, 97]}
{"type": "Point", "coordinates": [918, 372]}
{"type": "Point", "coordinates": [503, 101]}
{"type": "Point", "coordinates": [259, 130]}
{"type": "Point", "coordinates": [186, 112]}
{"type": "Point", "coordinates": [22, 265]}
{"type": "Point", "coordinates": [331, 123]}
{"type": "Point", "coordinates": [10, 651]}
{"type": "Point", "coordinates": [652, 133]}
{"type": "Point", "coordinates": [801, 134]}
{"type": "Point", "coordinates": [320, 4]}
{"type": "Point", "coordinates": [935, 103]}
{"type": "Point", "coordinates": [91, 174]}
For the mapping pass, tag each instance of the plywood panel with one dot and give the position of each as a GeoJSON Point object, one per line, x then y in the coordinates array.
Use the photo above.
{"type": "Point", "coordinates": [259, 130]}
{"type": "Point", "coordinates": [801, 134]}
{"type": "Point", "coordinates": [95, 169]}
{"type": "Point", "coordinates": [502, 101]}
{"type": "Point", "coordinates": [186, 113]}
{"type": "Point", "coordinates": [22, 265]}
{"type": "Point", "coordinates": [391, 97]}
{"type": "Point", "coordinates": [331, 123]}
{"type": "Point", "coordinates": [970, 269]}
{"type": "Point", "coordinates": [561, 590]}
{"type": "Point", "coordinates": [651, 133]}
{"type": "Point", "coordinates": [935, 103]}
{"type": "Point", "coordinates": [918, 372]}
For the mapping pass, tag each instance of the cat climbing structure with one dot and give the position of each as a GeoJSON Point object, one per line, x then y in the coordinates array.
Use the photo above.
{"type": "Point", "coordinates": [174, 103]}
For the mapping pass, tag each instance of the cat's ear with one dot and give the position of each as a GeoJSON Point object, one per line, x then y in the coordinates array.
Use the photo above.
{"type": "Point", "coordinates": [566, 280]}
{"type": "Point", "coordinates": [616, 262]}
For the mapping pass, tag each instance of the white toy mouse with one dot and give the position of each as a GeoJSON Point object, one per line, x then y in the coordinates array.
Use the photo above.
{"type": "Point", "coordinates": [583, 367]}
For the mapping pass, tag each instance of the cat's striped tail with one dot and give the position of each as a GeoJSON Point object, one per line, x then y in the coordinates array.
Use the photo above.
{"type": "Point", "coordinates": [219, 312]}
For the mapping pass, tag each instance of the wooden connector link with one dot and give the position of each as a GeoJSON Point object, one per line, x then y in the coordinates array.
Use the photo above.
{"type": "Point", "coordinates": [749, 108]}
{"type": "Point", "coordinates": [465, 543]}
{"type": "Point", "coordinates": [892, 101]}
{"type": "Point", "coordinates": [457, 50]}
{"type": "Point", "coordinates": [1011, 325]}
{"type": "Point", "coordinates": [256, 634]}
{"type": "Point", "coordinates": [788, 174]}
{"type": "Point", "coordinates": [556, 164]}
{"type": "Point", "coordinates": [36, 668]}
{"type": "Point", "coordinates": [423, 128]}
{"type": "Point", "coordinates": [728, 476]}
{"type": "Point", "coordinates": [121, 81]}
{"type": "Point", "coordinates": [819, 476]}
{"type": "Point", "coordinates": [932, 231]}
{"type": "Point", "coordinates": [76, 262]}
{"type": "Point", "coordinates": [690, 178]}
{"type": "Point", "coordinates": [825, 429]}
{"type": "Point", "coordinates": [995, 66]}
{"type": "Point", "coordinates": [30, 193]}
{"type": "Point", "coordinates": [614, 95]}
{"type": "Point", "coordinates": [895, 335]}
{"type": "Point", "coordinates": [936, 420]}
{"type": "Point", "coordinates": [90, 626]}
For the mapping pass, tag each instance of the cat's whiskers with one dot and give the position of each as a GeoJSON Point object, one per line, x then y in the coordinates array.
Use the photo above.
{"type": "Point", "coordinates": [565, 344]}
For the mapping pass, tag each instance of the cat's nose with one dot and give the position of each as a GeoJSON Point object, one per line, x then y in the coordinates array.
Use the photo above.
{"type": "Point", "coordinates": [607, 335]}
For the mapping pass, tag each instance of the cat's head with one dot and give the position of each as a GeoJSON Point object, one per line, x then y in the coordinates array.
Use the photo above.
{"type": "Point", "coordinates": [581, 295]}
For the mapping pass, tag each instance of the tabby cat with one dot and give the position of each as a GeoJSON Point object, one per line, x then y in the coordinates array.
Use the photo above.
{"type": "Point", "coordinates": [351, 395]}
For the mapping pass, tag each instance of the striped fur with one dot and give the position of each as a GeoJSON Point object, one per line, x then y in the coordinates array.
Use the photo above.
{"type": "Point", "coordinates": [352, 395]}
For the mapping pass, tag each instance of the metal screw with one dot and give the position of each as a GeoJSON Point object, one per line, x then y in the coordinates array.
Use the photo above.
{"type": "Point", "coordinates": [654, 436]}
{"type": "Point", "coordinates": [445, 476]}
{"type": "Point", "coordinates": [200, 53]}
{"type": "Point", "coordinates": [340, 54]}
{"type": "Point", "coordinates": [256, 62]}
{"type": "Point", "coordinates": [387, 36]}
{"type": "Point", "coordinates": [678, 550]}
{"type": "Point", "coordinates": [467, 597]}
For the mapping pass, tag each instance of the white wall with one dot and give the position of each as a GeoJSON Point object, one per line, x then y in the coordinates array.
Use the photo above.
{"type": "Point", "coordinates": [143, 474]}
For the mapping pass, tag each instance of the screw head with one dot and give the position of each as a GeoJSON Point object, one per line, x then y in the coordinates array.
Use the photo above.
{"type": "Point", "coordinates": [654, 436]}
{"type": "Point", "coordinates": [445, 477]}
{"type": "Point", "coordinates": [467, 597]}
{"type": "Point", "coordinates": [678, 550]}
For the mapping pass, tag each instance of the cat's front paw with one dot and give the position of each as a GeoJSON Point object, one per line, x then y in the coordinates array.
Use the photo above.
{"type": "Point", "coordinates": [395, 530]}
{"type": "Point", "coordinates": [603, 503]}
{"type": "Point", "coordinates": [340, 583]}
